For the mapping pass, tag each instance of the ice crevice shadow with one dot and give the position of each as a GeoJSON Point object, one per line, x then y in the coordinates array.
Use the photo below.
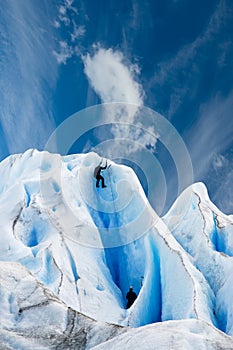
{"type": "Point", "coordinates": [134, 264]}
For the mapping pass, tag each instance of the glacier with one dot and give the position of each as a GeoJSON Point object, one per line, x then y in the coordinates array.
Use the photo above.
{"type": "Point", "coordinates": [70, 251]}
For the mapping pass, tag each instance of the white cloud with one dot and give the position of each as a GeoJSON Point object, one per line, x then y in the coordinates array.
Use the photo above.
{"type": "Point", "coordinates": [56, 24]}
{"type": "Point", "coordinates": [64, 12]}
{"type": "Point", "coordinates": [65, 20]}
{"type": "Point", "coordinates": [65, 52]}
{"type": "Point", "coordinates": [68, 47]}
{"type": "Point", "coordinates": [69, 5]}
{"type": "Point", "coordinates": [78, 32]}
{"type": "Point", "coordinates": [114, 79]}
{"type": "Point", "coordinates": [219, 161]}
{"type": "Point", "coordinates": [111, 78]}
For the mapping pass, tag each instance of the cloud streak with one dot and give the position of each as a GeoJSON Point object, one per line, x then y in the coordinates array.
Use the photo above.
{"type": "Point", "coordinates": [208, 141]}
{"type": "Point", "coordinates": [212, 133]}
{"type": "Point", "coordinates": [187, 53]}
{"type": "Point", "coordinates": [180, 69]}
{"type": "Point", "coordinates": [223, 194]}
{"type": "Point", "coordinates": [28, 75]}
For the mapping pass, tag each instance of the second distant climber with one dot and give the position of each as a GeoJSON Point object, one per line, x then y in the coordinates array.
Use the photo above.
{"type": "Point", "coordinates": [98, 176]}
{"type": "Point", "coordinates": [131, 296]}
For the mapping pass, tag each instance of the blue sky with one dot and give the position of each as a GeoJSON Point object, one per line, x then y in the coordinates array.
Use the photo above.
{"type": "Point", "coordinates": [173, 56]}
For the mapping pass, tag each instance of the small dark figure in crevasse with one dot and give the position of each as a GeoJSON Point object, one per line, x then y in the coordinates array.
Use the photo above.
{"type": "Point", "coordinates": [131, 296]}
{"type": "Point", "coordinates": [98, 176]}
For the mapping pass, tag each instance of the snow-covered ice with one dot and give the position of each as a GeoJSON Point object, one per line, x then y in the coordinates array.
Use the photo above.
{"type": "Point", "coordinates": [32, 317]}
{"type": "Point", "coordinates": [183, 335]}
{"type": "Point", "coordinates": [74, 249]}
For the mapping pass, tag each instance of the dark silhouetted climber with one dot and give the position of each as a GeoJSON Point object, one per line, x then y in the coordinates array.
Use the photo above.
{"type": "Point", "coordinates": [98, 176]}
{"type": "Point", "coordinates": [131, 296]}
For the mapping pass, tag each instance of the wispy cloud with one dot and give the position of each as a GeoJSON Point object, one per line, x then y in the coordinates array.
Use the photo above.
{"type": "Point", "coordinates": [189, 51]}
{"type": "Point", "coordinates": [179, 68]}
{"type": "Point", "coordinates": [64, 52]}
{"type": "Point", "coordinates": [78, 32]}
{"type": "Point", "coordinates": [211, 135]}
{"type": "Point", "coordinates": [28, 75]}
{"type": "Point", "coordinates": [65, 22]}
{"type": "Point", "coordinates": [176, 99]}
{"type": "Point", "coordinates": [208, 138]}
{"type": "Point", "coordinates": [63, 11]}
{"type": "Point", "coordinates": [208, 141]}
{"type": "Point", "coordinates": [226, 52]}
{"type": "Point", "coordinates": [219, 161]}
{"type": "Point", "coordinates": [223, 193]}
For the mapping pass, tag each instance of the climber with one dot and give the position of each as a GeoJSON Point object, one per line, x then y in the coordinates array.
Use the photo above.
{"type": "Point", "coordinates": [131, 296]}
{"type": "Point", "coordinates": [98, 176]}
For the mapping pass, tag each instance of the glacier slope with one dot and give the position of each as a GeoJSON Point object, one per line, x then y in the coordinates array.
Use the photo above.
{"type": "Point", "coordinates": [32, 317]}
{"type": "Point", "coordinates": [87, 245]}
{"type": "Point", "coordinates": [207, 235]}
{"type": "Point", "coordinates": [183, 335]}
{"type": "Point", "coordinates": [54, 198]}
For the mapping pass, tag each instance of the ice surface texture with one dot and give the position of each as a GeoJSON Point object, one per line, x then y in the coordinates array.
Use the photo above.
{"type": "Point", "coordinates": [68, 248]}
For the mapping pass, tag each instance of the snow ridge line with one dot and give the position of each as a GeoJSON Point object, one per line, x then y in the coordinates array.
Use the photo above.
{"type": "Point", "coordinates": [229, 222]}
{"type": "Point", "coordinates": [71, 316]}
{"type": "Point", "coordinates": [62, 275]}
{"type": "Point", "coordinates": [60, 231]}
{"type": "Point", "coordinates": [204, 226]}
{"type": "Point", "coordinates": [218, 225]}
{"type": "Point", "coordinates": [28, 296]}
{"type": "Point", "coordinates": [16, 220]}
{"type": "Point", "coordinates": [75, 336]}
{"type": "Point", "coordinates": [215, 215]}
{"type": "Point", "coordinates": [43, 303]}
{"type": "Point", "coordinates": [186, 268]}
